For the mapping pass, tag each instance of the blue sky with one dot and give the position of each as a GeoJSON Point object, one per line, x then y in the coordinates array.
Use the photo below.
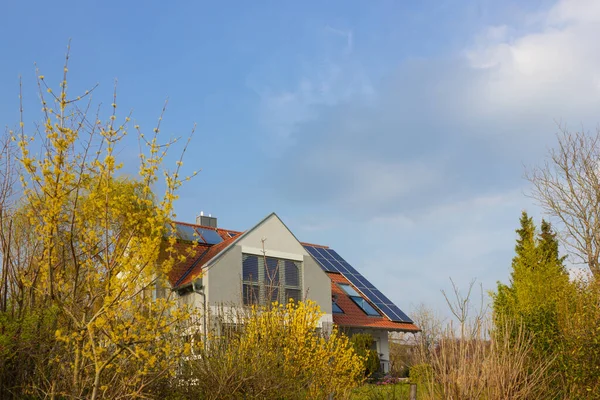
{"type": "Point", "coordinates": [395, 132]}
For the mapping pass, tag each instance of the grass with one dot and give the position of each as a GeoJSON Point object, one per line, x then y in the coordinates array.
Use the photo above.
{"type": "Point", "coordinates": [397, 391]}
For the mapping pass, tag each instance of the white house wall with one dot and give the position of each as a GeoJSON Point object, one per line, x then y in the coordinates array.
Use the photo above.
{"type": "Point", "coordinates": [223, 278]}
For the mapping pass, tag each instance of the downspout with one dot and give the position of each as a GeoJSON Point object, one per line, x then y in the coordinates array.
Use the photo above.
{"type": "Point", "coordinates": [198, 287]}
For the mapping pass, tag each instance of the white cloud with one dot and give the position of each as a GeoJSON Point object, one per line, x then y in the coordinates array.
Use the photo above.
{"type": "Point", "coordinates": [553, 70]}
{"type": "Point", "coordinates": [574, 12]}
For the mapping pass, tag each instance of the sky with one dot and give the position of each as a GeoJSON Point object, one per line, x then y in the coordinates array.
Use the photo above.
{"type": "Point", "coordinates": [395, 132]}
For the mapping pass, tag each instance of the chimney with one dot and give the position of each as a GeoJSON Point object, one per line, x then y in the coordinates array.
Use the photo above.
{"type": "Point", "coordinates": [206, 220]}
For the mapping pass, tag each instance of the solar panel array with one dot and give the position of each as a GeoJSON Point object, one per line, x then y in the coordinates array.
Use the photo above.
{"type": "Point", "coordinates": [196, 234]}
{"type": "Point", "coordinates": [331, 261]}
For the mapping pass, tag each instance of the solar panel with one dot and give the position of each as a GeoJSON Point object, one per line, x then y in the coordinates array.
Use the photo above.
{"type": "Point", "coordinates": [331, 261]}
{"type": "Point", "coordinates": [185, 232]}
{"type": "Point", "coordinates": [339, 266]}
{"type": "Point", "coordinates": [365, 282]}
{"type": "Point", "coordinates": [210, 236]}
{"type": "Point", "coordinates": [322, 252]}
{"type": "Point", "coordinates": [335, 255]}
{"type": "Point", "coordinates": [349, 267]}
{"type": "Point", "coordinates": [313, 251]}
{"type": "Point", "coordinates": [327, 254]}
{"type": "Point", "coordinates": [319, 255]}
{"type": "Point", "coordinates": [331, 266]}
{"type": "Point", "coordinates": [323, 267]}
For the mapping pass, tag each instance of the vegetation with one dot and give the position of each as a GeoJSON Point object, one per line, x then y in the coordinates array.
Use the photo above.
{"type": "Point", "coordinates": [278, 354]}
{"type": "Point", "coordinates": [566, 186]}
{"type": "Point", "coordinates": [472, 361]}
{"type": "Point", "coordinates": [401, 356]}
{"type": "Point", "coordinates": [363, 346]}
{"type": "Point", "coordinates": [559, 315]}
{"type": "Point", "coordinates": [393, 391]}
{"type": "Point", "coordinates": [80, 257]}
{"type": "Point", "coordinates": [538, 285]}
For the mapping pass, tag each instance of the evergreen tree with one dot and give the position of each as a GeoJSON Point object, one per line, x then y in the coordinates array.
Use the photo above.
{"type": "Point", "coordinates": [538, 280]}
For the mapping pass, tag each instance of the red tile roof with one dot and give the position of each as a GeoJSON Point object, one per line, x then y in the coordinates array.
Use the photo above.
{"type": "Point", "coordinates": [196, 270]}
{"type": "Point", "coordinates": [354, 317]}
{"type": "Point", "coordinates": [196, 255]}
{"type": "Point", "coordinates": [191, 252]}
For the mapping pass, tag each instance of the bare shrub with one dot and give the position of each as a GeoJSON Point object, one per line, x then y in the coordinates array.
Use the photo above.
{"type": "Point", "coordinates": [467, 360]}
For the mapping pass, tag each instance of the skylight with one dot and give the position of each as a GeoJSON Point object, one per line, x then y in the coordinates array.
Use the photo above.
{"type": "Point", "coordinates": [335, 308]}
{"type": "Point", "coordinates": [349, 290]}
{"type": "Point", "coordinates": [357, 298]}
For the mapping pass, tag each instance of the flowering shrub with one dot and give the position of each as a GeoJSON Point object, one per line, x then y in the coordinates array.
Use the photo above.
{"type": "Point", "coordinates": [276, 352]}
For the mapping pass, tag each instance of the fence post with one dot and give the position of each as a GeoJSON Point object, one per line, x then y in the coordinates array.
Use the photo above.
{"type": "Point", "coordinates": [413, 391]}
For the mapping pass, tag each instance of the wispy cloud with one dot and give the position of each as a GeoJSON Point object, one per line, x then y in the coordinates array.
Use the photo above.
{"type": "Point", "coordinates": [328, 80]}
{"type": "Point", "coordinates": [347, 34]}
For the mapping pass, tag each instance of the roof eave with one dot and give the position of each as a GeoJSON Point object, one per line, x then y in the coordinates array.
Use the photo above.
{"type": "Point", "coordinates": [381, 328]}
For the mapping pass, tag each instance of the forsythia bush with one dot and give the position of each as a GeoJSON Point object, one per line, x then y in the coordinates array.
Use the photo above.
{"type": "Point", "coordinates": [275, 352]}
{"type": "Point", "coordinates": [79, 257]}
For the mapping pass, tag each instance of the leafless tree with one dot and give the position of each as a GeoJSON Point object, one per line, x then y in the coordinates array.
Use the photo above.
{"type": "Point", "coordinates": [567, 186]}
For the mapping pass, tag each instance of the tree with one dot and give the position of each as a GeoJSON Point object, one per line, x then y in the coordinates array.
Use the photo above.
{"type": "Point", "coordinates": [567, 186]}
{"type": "Point", "coordinates": [537, 285]}
{"type": "Point", "coordinates": [83, 260]}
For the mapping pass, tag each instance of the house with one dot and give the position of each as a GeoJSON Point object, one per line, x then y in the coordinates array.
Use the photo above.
{"type": "Point", "coordinates": [266, 263]}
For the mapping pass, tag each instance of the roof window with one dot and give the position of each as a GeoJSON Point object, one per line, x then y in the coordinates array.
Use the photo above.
{"type": "Point", "coordinates": [357, 298]}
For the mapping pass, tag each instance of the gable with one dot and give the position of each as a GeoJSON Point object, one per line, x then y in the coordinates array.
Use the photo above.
{"type": "Point", "coordinates": [273, 237]}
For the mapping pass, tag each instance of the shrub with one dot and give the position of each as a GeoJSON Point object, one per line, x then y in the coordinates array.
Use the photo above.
{"type": "Point", "coordinates": [275, 353]}
{"type": "Point", "coordinates": [80, 247]}
{"type": "Point", "coordinates": [402, 357]}
{"type": "Point", "coordinates": [363, 346]}
{"type": "Point", "coordinates": [421, 374]}
{"type": "Point", "coordinates": [471, 361]}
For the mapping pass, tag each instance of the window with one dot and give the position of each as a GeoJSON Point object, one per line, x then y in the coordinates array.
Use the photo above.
{"type": "Point", "coordinates": [267, 279]}
{"type": "Point", "coordinates": [335, 308]}
{"type": "Point", "coordinates": [358, 299]}
{"type": "Point", "coordinates": [250, 276]}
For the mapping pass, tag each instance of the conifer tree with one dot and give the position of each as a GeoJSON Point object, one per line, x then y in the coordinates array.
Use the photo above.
{"type": "Point", "coordinates": [537, 284]}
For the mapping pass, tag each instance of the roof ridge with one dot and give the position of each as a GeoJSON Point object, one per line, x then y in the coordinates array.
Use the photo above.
{"type": "Point", "coordinates": [322, 246]}
{"type": "Point", "coordinates": [195, 225]}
